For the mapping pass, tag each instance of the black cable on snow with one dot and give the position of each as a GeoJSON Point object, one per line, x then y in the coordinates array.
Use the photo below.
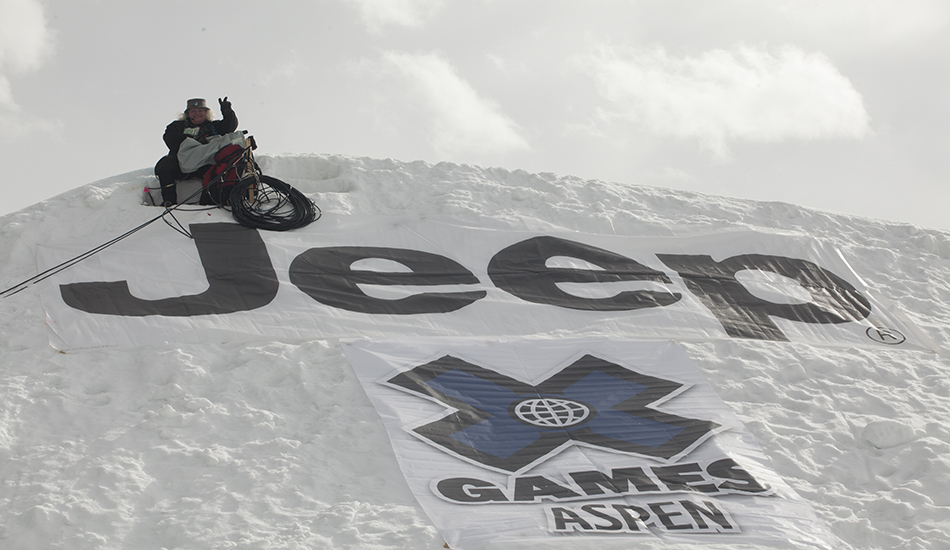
{"type": "Point", "coordinates": [75, 260]}
{"type": "Point", "coordinates": [257, 201]}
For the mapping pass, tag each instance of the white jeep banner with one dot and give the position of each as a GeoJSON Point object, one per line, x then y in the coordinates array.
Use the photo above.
{"type": "Point", "coordinates": [384, 277]}
{"type": "Point", "coordinates": [516, 440]}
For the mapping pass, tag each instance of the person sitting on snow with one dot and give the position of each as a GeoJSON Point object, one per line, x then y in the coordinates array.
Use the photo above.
{"type": "Point", "coordinates": [192, 141]}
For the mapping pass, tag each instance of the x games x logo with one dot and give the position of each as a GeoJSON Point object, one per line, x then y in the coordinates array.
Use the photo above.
{"type": "Point", "coordinates": [508, 425]}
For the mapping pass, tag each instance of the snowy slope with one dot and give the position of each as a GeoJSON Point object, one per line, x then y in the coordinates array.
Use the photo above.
{"type": "Point", "coordinates": [273, 444]}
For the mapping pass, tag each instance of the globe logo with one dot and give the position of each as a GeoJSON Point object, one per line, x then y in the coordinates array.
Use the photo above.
{"type": "Point", "coordinates": [551, 412]}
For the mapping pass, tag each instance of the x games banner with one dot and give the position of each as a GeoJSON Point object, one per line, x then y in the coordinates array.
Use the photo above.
{"type": "Point", "coordinates": [505, 441]}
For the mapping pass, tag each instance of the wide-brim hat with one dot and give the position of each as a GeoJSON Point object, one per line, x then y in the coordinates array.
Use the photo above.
{"type": "Point", "coordinates": [196, 103]}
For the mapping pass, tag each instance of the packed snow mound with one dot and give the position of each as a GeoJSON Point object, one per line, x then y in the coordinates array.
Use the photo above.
{"type": "Point", "coordinates": [273, 443]}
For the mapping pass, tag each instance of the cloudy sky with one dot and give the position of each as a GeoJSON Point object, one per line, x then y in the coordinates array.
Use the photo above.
{"type": "Point", "coordinates": [842, 106]}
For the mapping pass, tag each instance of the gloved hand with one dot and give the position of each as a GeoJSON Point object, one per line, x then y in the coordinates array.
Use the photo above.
{"type": "Point", "coordinates": [225, 104]}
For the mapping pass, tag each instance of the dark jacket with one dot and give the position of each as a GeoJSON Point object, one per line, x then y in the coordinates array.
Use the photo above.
{"type": "Point", "coordinates": [175, 132]}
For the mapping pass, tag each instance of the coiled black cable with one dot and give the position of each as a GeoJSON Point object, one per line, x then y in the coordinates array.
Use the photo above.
{"type": "Point", "coordinates": [264, 202]}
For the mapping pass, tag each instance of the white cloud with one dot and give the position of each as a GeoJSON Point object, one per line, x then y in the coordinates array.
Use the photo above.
{"type": "Point", "coordinates": [25, 40]}
{"type": "Point", "coordinates": [285, 71]}
{"type": "Point", "coordinates": [745, 93]}
{"type": "Point", "coordinates": [6, 95]}
{"type": "Point", "coordinates": [14, 126]}
{"type": "Point", "coordinates": [462, 121]}
{"type": "Point", "coordinates": [887, 23]}
{"type": "Point", "coordinates": [377, 14]}
{"type": "Point", "coordinates": [507, 66]}
{"type": "Point", "coordinates": [25, 43]}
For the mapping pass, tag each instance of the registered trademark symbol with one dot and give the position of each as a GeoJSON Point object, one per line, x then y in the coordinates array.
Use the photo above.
{"type": "Point", "coordinates": [886, 335]}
